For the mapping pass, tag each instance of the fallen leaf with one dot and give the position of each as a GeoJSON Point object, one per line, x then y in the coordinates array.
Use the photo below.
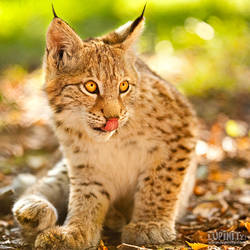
{"type": "Point", "coordinates": [199, 190]}
{"type": "Point", "coordinates": [200, 236]}
{"type": "Point", "coordinates": [224, 205]}
{"type": "Point", "coordinates": [216, 134]}
{"type": "Point", "coordinates": [247, 226]}
{"type": "Point", "coordinates": [102, 246]}
{"type": "Point", "coordinates": [219, 175]}
{"type": "Point", "coordinates": [245, 198]}
{"type": "Point", "coordinates": [220, 188]}
{"type": "Point", "coordinates": [232, 228]}
{"type": "Point", "coordinates": [207, 209]}
{"type": "Point", "coordinates": [245, 223]}
{"type": "Point", "coordinates": [197, 246]}
{"type": "Point", "coordinates": [3, 223]}
{"type": "Point", "coordinates": [243, 143]}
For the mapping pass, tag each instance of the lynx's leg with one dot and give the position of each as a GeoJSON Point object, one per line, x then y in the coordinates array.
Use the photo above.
{"type": "Point", "coordinates": [39, 207]}
{"type": "Point", "coordinates": [186, 189]}
{"type": "Point", "coordinates": [157, 199]}
{"type": "Point", "coordinates": [88, 204]}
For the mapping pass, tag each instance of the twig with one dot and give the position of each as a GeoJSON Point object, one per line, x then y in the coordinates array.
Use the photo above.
{"type": "Point", "coordinates": [133, 246]}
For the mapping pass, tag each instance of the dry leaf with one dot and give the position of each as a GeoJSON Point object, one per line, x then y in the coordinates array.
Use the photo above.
{"type": "Point", "coordinates": [199, 190]}
{"type": "Point", "coordinates": [220, 188]}
{"type": "Point", "coordinates": [207, 209]}
{"type": "Point", "coordinates": [247, 226]}
{"type": "Point", "coordinates": [245, 223]}
{"type": "Point", "coordinates": [219, 175]}
{"type": "Point", "coordinates": [243, 143]}
{"type": "Point", "coordinates": [197, 246]}
{"type": "Point", "coordinates": [102, 246]}
{"type": "Point", "coordinates": [232, 228]}
{"type": "Point", "coordinates": [216, 134]}
{"type": "Point", "coordinates": [200, 236]}
{"type": "Point", "coordinates": [242, 223]}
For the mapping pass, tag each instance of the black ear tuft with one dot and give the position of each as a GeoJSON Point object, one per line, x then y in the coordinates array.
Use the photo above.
{"type": "Point", "coordinates": [126, 35]}
{"type": "Point", "coordinates": [138, 19]}
{"type": "Point", "coordinates": [53, 10]}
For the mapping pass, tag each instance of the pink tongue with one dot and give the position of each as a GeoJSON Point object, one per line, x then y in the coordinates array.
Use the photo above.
{"type": "Point", "coordinates": [111, 124]}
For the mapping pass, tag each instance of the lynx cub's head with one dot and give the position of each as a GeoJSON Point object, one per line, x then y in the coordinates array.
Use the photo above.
{"type": "Point", "coordinates": [92, 84]}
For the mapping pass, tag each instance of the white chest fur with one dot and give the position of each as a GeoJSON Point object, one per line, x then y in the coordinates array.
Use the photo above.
{"type": "Point", "coordinates": [118, 162]}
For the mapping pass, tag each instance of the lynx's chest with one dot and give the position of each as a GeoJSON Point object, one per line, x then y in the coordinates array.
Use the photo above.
{"type": "Point", "coordinates": [121, 162]}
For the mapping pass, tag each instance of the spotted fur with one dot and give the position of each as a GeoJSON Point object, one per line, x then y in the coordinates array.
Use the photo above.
{"type": "Point", "coordinates": [141, 173]}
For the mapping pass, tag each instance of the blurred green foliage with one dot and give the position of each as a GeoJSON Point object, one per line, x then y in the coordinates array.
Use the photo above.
{"type": "Point", "coordinates": [213, 36]}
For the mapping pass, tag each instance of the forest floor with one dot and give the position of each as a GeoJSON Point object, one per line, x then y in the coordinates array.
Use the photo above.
{"type": "Point", "coordinates": [219, 213]}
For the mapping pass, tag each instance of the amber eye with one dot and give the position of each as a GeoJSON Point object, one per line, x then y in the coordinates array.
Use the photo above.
{"type": "Point", "coordinates": [91, 87]}
{"type": "Point", "coordinates": [124, 86]}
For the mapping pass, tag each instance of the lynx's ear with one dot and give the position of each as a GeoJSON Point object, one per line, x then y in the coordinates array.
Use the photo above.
{"type": "Point", "coordinates": [126, 35]}
{"type": "Point", "coordinates": [62, 41]}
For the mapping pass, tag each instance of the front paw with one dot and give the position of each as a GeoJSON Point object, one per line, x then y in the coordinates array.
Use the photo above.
{"type": "Point", "coordinates": [65, 238]}
{"type": "Point", "coordinates": [53, 238]}
{"type": "Point", "coordinates": [34, 214]}
{"type": "Point", "coordinates": [148, 233]}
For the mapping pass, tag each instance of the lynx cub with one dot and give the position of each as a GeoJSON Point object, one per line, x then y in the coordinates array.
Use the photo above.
{"type": "Point", "coordinates": [128, 141]}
